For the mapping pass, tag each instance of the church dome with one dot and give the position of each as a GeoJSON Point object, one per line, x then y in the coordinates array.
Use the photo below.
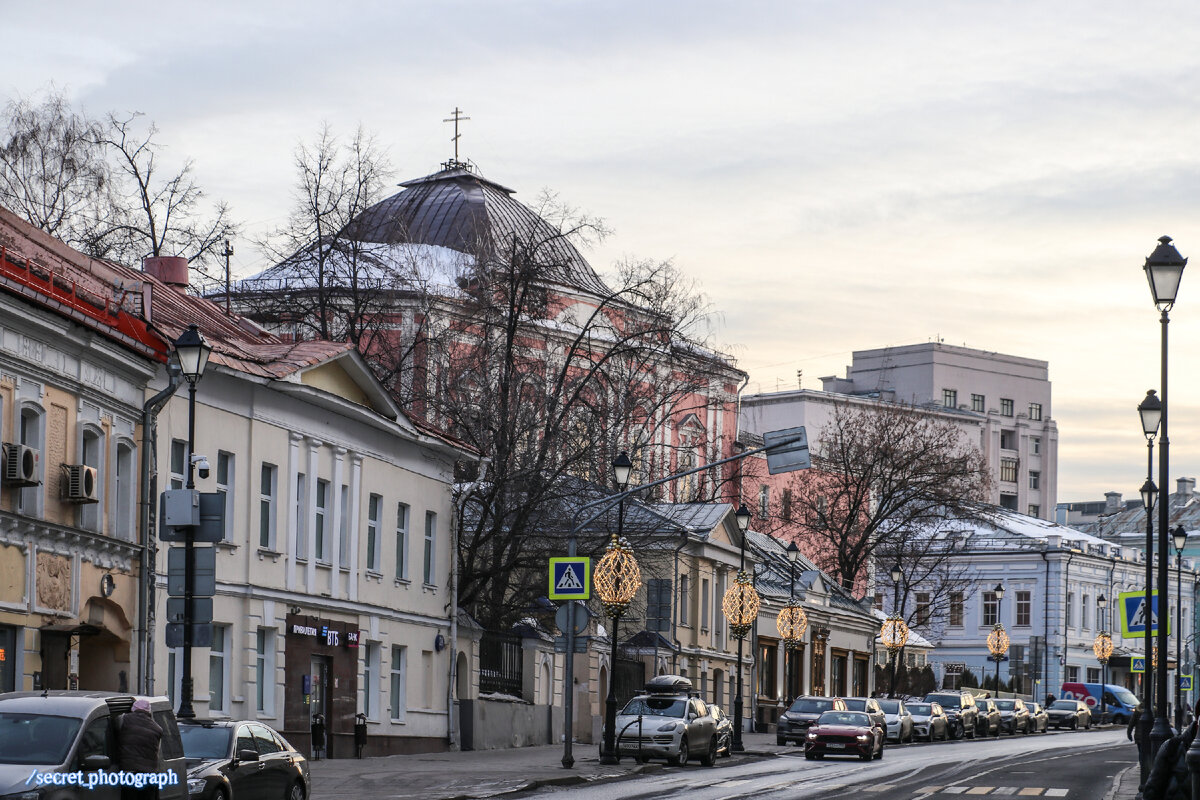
{"type": "Point", "coordinates": [463, 211]}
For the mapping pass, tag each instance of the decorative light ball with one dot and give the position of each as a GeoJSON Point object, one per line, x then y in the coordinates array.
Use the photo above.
{"type": "Point", "coordinates": [894, 633]}
{"type": "Point", "coordinates": [792, 623]}
{"type": "Point", "coordinates": [740, 604]}
{"type": "Point", "coordinates": [1154, 659]}
{"type": "Point", "coordinates": [997, 640]}
{"type": "Point", "coordinates": [618, 577]}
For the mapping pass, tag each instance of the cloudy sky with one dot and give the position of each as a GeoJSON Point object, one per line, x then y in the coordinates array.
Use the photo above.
{"type": "Point", "coordinates": [836, 175]}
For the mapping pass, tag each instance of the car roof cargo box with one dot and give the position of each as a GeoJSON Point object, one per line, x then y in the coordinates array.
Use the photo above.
{"type": "Point", "coordinates": [669, 684]}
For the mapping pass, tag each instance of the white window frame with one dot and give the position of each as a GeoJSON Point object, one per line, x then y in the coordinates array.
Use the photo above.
{"type": "Point", "coordinates": [301, 523]}
{"type": "Point", "coordinates": [264, 672]}
{"type": "Point", "coordinates": [429, 561]}
{"type": "Point", "coordinates": [268, 491]}
{"type": "Point", "coordinates": [403, 514]}
{"type": "Point", "coordinates": [125, 479]}
{"type": "Point", "coordinates": [320, 539]}
{"type": "Point", "coordinates": [370, 680]}
{"type": "Point", "coordinates": [92, 442]}
{"type": "Point", "coordinates": [178, 478]}
{"type": "Point", "coordinates": [374, 533]}
{"type": "Point", "coordinates": [225, 487]}
{"type": "Point", "coordinates": [398, 685]}
{"type": "Point", "coordinates": [218, 656]}
{"type": "Point", "coordinates": [344, 528]}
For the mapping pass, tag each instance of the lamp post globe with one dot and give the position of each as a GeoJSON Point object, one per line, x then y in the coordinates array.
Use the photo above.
{"type": "Point", "coordinates": [622, 469]}
{"type": "Point", "coordinates": [617, 580]}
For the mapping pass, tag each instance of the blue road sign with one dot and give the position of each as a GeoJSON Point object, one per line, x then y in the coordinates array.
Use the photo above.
{"type": "Point", "coordinates": [1185, 683]}
{"type": "Point", "coordinates": [1133, 614]}
{"type": "Point", "coordinates": [1137, 664]}
{"type": "Point", "coordinates": [570, 578]}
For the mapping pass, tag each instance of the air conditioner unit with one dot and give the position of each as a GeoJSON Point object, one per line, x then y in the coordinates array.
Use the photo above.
{"type": "Point", "coordinates": [20, 465]}
{"type": "Point", "coordinates": [80, 484]}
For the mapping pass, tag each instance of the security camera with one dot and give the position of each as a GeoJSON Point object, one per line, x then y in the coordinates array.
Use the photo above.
{"type": "Point", "coordinates": [202, 466]}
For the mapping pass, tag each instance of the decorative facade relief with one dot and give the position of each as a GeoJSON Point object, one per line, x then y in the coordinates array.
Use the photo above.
{"type": "Point", "coordinates": [53, 582]}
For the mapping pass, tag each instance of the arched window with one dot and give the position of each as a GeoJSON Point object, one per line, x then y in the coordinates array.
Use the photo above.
{"type": "Point", "coordinates": [91, 454]}
{"type": "Point", "coordinates": [30, 500]}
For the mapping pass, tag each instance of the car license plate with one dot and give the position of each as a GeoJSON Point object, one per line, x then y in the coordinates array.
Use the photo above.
{"type": "Point", "coordinates": [836, 746]}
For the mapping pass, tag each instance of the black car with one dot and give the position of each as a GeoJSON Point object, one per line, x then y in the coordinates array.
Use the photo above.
{"type": "Point", "coordinates": [961, 711]}
{"type": "Point", "coordinates": [1073, 714]}
{"type": "Point", "coordinates": [802, 713]}
{"type": "Point", "coordinates": [724, 730]}
{"type": "Point", "coordinates": [990, 719]}
{"type": "Point", "coordinates": [243, 759]}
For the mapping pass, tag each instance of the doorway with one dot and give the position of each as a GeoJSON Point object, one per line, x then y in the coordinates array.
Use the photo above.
{"type": "Point", "coordinates": [318, 670]}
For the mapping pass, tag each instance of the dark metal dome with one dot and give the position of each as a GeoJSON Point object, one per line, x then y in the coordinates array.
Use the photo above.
{"type": "Point", "coordinates": [463, 211]}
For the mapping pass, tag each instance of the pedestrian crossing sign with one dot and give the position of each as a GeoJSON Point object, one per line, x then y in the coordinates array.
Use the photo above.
{"type": "Point", "coordinates": [1134, 612]}
{"type": "Point", "coordinates": [1137, 664]}
{"type": "Point", "coordinates": [571, 578]}
{"type": "Point", "coordinates": [1185, 683]}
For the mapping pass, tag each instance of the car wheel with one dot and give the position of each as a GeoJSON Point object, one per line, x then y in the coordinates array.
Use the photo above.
{"type": "Point", "coordinates": [972, 732]}
{"type": "Point", "coordinates": [710, 758]}
{"type": "Point", "coordinates": [295, 791]}
{"type": "Point", "coordinates": [809, 756]}
{"type": "Point", "coordinates": [681, 757]}
{"type": "Point", "coordinates": [1075, 724]}
{"type": "Point", "coordinates": [867, 756]}
{"type": "Point", "coordinates": [1088, 727]}
{"type": "Point", "coordinates": [221, 793]}
{"type": "Point", "coordinates": [879, 755]}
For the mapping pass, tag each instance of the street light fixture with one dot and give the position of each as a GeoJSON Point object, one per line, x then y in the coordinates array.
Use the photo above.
{"type": "Point", "coordinates": [740, 606]}
{"type": "Point", "coordinates": [1103, 647]}
{"type": "Point", "coordinates": [191, 350]}
{"type": "Point", "coordinates": [997, 640]}
{"type": "Point", "coordinates": [1150, 414]}
{"type": "Point", "coordinates": [792, 622]}
{"type": "Point", "coordinates": [1180, 540]}
{"type": "Point", "coordinates": [894, 630]}
{"type": "Point", "coordinates": [617, 580]}
{"type": "Point", "coordinates": [1164, 270]}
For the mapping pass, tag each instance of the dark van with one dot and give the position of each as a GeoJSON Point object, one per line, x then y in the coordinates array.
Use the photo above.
{"type": "Point", "coordinates": [62, 745]}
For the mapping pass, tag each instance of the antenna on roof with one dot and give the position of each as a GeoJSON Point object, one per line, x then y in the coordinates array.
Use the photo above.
{"type": "Point", "coordinates": [457, 118]}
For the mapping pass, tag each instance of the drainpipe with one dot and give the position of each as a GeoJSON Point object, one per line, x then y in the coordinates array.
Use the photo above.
{"type": "Point", "coordinates": [451, 729]}
{"type": "Point", "coordinates": [1046, 629]}
{"type": "Point", "coordinates": [147, 575]}
{"type": "Point", "coordinates": [1066, 590]}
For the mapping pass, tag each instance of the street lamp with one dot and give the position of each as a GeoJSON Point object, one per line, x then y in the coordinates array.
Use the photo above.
{"type": "Point", "coordinates": [1103, 647]}
{"type": "Point", "coordinates": [740, 606]}
{"type": "Point", "coordinates": [1180, 537]}
{"type": "Point", "coordinates": [192, 352]}
{"type": "Point", "coordinates": [998, 636]}
{"type": "Point", "coordinates": [893, 625]}
{"type": "Point", "coordinates": [1164, 269]}
{"type": "Point", "coordinates": [792, 621]}
{"type": "Point", "coordinates": [1150, 413]}
{"type": "Point", "coordinates": [617, 580]}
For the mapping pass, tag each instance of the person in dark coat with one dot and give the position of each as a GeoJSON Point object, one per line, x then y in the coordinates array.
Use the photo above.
{"type": "Point", "coordinates": [138, 746]}
{"type": "Point", "coordinates": [1050, 700]}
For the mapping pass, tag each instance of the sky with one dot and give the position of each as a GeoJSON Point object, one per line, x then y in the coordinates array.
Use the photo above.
{"type": "Point", "coordinates": [836, 176]}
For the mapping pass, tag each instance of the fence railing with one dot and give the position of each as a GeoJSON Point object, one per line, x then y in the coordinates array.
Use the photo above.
{"type": "Point", "coordinates": [500, 664]}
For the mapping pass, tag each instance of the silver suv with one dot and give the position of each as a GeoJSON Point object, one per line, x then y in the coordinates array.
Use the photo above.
{"type": "Point", "coordinates": [668, 721]}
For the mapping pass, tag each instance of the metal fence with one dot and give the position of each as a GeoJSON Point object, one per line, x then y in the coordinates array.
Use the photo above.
{"type": "Point", "coordinates": [500, 664]}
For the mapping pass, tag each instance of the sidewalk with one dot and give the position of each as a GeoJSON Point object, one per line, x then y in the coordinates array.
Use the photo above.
{"type": "Point", "coordinates": [484, 773]}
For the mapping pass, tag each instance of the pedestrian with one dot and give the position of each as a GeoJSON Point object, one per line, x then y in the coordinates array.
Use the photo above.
{"type": "Point", "coordinates": [138, 746]}
{"type": "Point", "coordinates": [1050, 700]}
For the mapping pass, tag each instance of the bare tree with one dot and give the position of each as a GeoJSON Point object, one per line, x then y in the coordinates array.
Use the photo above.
{"type": "Point", "coordinates": [935, 577]}
{"type": "Point", "coordinates": [549, 391]}
{"type": "Point", "coordinates": [882, 472]}
{"type": "Point", "coordinates": [52, 168]}
{"type": "Point", "coordinates": [152, 214]}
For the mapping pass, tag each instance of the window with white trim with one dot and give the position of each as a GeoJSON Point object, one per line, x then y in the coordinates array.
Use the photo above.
{"type": "Point", "coordinates": [370, 680]}
{"type": "Point", "coordinates": [225, 480]}
{"type": "Point", "coordinates": [401, 542]}
{"type": "Point", "coordinates": [321, 545]}
{"type": "Point", "coordinates": [374, 508]}
{"type": "Point", "coordinates": [344, 528]}
{"type": "Point", "coordinates": [267, 483]}
{"type": "Point", "coordinates": [178, 463]}
{"type": "Point", "coordinates": [301, 518]}
{"type": "Point", "coordinates": [124, 524]}
{"type": "Point", "coordinates": [264, 672]}
{"type": "Point", "coordinates": [218, 671]}
{"type": "Point", "coordinates": [430, 543]}
{"type": "Point", "coordinates": [399, 700]}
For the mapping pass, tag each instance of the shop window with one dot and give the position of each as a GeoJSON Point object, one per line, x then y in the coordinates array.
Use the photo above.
{"type": "Point", "coordinates": [767, 652]}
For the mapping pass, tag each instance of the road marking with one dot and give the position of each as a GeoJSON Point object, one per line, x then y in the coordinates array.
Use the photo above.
{"type": "Point", "coordinates": [979, 790]}
{"type": "Point", "coordinates": [1005, 790]}
{"type": "Point", "coordinates": [954, 790]}
{"type": "Point", "coordinates": [929, 789]}
{"type": "Point", "coordinates": [1056, 793]}
{"type": "Point", "coordinates": [1032, 791]}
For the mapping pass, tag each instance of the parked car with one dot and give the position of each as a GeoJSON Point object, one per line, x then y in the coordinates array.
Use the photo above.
{"type": "Point", "coordinates": [989, 717]}
{"type": "Point", "coordinates": [1071, 714]}
{"type": "Point", "coordinates": [1014, 716]}
{"type": "Point", "coordinates": [1116, 700]}
{"type": "Point", "coordinates": [667, 721]}
{"type": "Point", "coordinates": [870, 707]}
{"type": "Point", "coordinates": [76, 732]}
{"type": "Point", "coordinates": [899, 721]}
{"type": "Point", "coordinates": [724, 730]}
{"type": "Point", "coordinates": [1038, 719]}
{"type": "Point", "coordinates": [802, 713]}
{"type": "Point", "coordinates": [844, 733]}
{"type": "Point", "coordinates": [960, 710]}
{"type": "Point", "coordinates": [929, 721]}
{"type": "Point", "coordinates": [241, 758]}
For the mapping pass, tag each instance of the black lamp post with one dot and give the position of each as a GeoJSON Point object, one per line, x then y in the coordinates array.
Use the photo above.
{"type": "Point", "coordinates": [192, 352]}
{"type": "Point", "coordinates": [1164, 269]}
{"type": "Point", "coordinates": [1150, 412]}
{"type": "Point", "coordinates": [999, 593]}
{"type": "Point", "coordinates": [742, 515]}
{"type": "Point", "coordinates": [1180, 537]}
{"type": "Point", "coordinates": [896, 575]}
{"type": "Point", "coordinates": [622, 468]}
{"type": "Point", "coordinates": [1103, 650]}
{"type": "Point", "coordinates": [793, 554]}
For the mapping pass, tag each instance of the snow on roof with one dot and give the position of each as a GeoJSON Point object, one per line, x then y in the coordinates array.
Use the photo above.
{"type": "Point", "coordinates": [914, 639]}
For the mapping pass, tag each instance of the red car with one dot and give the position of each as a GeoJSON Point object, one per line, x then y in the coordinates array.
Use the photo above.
{"type": "Point", "coordinates": [844, 733]}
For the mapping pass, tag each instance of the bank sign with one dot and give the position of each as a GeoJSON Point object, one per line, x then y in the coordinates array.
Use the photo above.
{"type": "Point", "coordinates": [1134, 614]}
{"type": "Point", "coordinates": [330, 637]}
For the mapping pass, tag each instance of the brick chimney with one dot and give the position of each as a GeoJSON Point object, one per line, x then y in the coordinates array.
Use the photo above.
{"type": "Point", "coordinates": [171, 270]}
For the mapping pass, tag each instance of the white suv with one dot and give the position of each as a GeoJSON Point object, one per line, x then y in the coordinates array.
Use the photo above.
{"type": "Point", "coordinates": [667, 721]}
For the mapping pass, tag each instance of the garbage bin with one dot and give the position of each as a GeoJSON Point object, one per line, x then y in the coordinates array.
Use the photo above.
{"type": "Point", "coordinates": [360, 734]}
{"type": "Point", "coordinates": [318, 736]}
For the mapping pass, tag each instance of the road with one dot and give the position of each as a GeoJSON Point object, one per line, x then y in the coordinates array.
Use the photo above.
{"type": "Point", "coordinates": [1074, 765]}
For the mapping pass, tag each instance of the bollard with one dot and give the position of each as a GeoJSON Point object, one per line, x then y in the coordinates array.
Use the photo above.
{"type": "Point", "coordinates": [1193, 762]}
